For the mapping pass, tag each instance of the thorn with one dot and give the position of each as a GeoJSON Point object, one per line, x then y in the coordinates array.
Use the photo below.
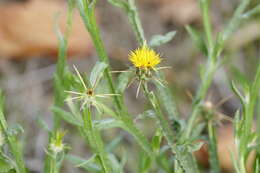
{"type": "Point", "coordinates": [166, 67]}
{"type": "Point", "coordinates": [189, 94]}
{"type": "Point", "coordinates": [159, 81]}
{"type": "Point", "coordinates": [80, 78]}
{"type": "Point", "coordinates": [138, 89]}
{"type": "Point", "coordinates": [224, 100]}
{"type": "Point", "coordinates": [131, 81]}
{"type": "Point", "coordinates": [120, 71]}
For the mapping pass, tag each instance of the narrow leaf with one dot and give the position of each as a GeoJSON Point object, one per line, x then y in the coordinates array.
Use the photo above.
{"type": "Point", "coordinates": [123, 80]}
{"type": "Point", "coordinates": [114, 143]}
{"type": "Point", "coordinates": [237, 92]}
{"type": "Point", "coordinates": [42, 124]}
{"type": "Point", "coordinates": [158, 40]}
{"type": "Point", "coordinates": [87, 165]}
{"type": "Point", "coordinates": [197, 39]}
{"type": "Point", "coordinates": [108, 123]}
{"type": "Point", "coordinates": [97, 73]}
{"type": "Point", "coordinates": [119, 3]}
{"type": "Point", "coordinates": [68, 117]}
{"type": "Point", "coordinates": [252, 12]}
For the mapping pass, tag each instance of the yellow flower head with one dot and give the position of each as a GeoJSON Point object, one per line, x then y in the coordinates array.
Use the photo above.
{"type": "Point", "coordinates": [144, 57]}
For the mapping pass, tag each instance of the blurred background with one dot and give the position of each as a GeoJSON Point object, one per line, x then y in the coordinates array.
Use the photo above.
{"type": "Point", "coordinates": [28, 54]}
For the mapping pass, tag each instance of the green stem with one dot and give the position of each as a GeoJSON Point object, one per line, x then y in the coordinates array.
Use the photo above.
{"type": "Point", "coordinates": [214, 162]}
{"type": "Point", "coordinates": [13, 144]}
{"type": "Point", "coordinates": [159, 115]}
{"type": "Point", "coordinates": [207, 24]}
{"type": "Point", "coordinates": [135, 22]}
{"type": "Point", "coordinates": [248, 118]}
{"type": "Point", "coordinates": [60, 74]}
{"type": "Point", "coordinates": [16, 151]}
{"type": "Point", "coordinates": [242, 167]}
{"type": "Point", "coordinates": [53, 165]}
{"type": "Point", "coordinates": [95, 141]}
{"type": "Point", "coordinates": [163, 123]}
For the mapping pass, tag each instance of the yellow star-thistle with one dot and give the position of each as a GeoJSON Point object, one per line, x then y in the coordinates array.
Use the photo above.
{"type": "Point", "coordinates": [144, 57]}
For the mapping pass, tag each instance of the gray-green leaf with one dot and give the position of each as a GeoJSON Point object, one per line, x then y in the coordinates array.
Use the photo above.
{"type": "Point", "coordinates": [123, 80]}
{"type": "Point", "coordinates": [97, 73]}
{"type": "Point", "coordinates": [68, 117]}
{"type": "Point", "coordinates": [158, 40]}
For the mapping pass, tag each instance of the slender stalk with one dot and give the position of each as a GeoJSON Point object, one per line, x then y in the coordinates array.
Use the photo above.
{"type": "Point", "coordinates": [214, 162]}
{"type": "Point", "coordinates": [95, 141]}
{"type": "Point", "coordinates": [53, 165]}
{"type": "Point", "coordinates": [60, 81]}
{"type": "Point", "coordinates": [207, 24]}
{"type": "Point", "coordinates": [159, 115]}
{"type": "Point", "coordinates": [242, 168]}
{"type": "Point", "coordinates": [60, 74]}
{"type": "Point", "coordinates": [135, 22]}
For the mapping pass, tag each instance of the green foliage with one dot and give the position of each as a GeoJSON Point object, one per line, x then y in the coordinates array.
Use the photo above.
{"type": "Point", "coordinates": [61, 83]}
{"type": "Point", "coordinates": [171, 146]}
{"type": "Point", "coordinates": [88, 165]}
{"type": "Point", "coordinates": [244, 134]}
{"type": "Point", "coordinates": [5, 165]}
{"type": "Point", "coordinates": [10, 137]}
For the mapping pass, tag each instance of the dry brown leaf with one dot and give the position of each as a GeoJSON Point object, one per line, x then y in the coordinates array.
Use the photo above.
{"type": "Point", "coordinates": [27, 30]}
